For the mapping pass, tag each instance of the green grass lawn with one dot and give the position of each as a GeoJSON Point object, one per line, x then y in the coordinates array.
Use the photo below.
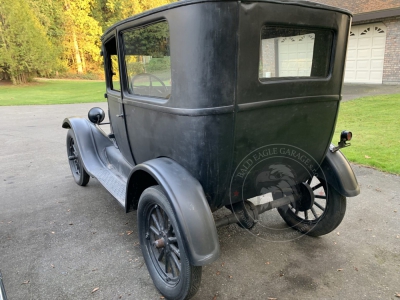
{"type": "Point", "coordinates": [52, 92]}
{"type": "Point", "coordinates": [375, 123]}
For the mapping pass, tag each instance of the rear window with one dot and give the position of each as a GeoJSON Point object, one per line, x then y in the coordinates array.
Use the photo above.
{"type": "Point", "coordinates": [294, 52]}
{"type": "Point", "coordinates": [147, 60]}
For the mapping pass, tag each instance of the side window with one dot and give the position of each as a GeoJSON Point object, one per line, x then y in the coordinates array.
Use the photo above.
{"type": "Point", "coordinates": [115, 84]}
{"type": "Point", "coordinates": [294, 52]}
{"type": "Point", "coordinates": [147, 60]}
{"type": "Point", "coordinates": [112, 69]}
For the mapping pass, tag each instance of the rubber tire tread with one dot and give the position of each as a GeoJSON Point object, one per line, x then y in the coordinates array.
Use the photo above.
{"type": "Point", "coordinates": [192, 273]}
{"type": "Point", "coordinates": [84, 177]}
{"type": "Point", "coordinates": [331, 219]}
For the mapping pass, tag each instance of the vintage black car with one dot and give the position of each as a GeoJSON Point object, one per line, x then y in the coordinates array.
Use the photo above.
{"type": "Point", "coordinates": [213, 103]}
{"type": "Point", "coordinates": [3, 295]}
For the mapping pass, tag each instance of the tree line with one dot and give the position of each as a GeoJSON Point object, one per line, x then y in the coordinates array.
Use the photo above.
{"type": "Point", "coordinates": [49, 37]}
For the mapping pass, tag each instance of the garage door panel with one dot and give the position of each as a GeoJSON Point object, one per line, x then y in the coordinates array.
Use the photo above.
{"type": "Point", "coordinates": [378, 41]}
{"type": "Point", "coordinates": [364, 43]}
{"type": "Point", "coordinates": [350, 65]}
{"type": "Point", "coordinates": [352, 44]}
{"type": "Point", "coordinates": [350, 76]}
{"type": "Point", "coordinates": [376, 64]}
{"type": "Point", "coordinates": [376, 76]}
{"type": "Point", "coordinates": [378, 53]}
{"type": "Point", "coordinates": [295, 55]}
{"type": "Point", "coordinates": [363, 65]}
{"type": "Point", "coordinates": [352, 54]}
{"type": "Point", "coordinates": [283, 48]}
{"type": "Point", "coordinates": [362, 75]}
{"type": "Point", "coordinates": [365, 53]}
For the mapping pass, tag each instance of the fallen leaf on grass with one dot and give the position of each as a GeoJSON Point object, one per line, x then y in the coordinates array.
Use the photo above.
{"type": "Point", "coordinates": [25, 282]}
{"type": "Point", "coordinates": [267, 263]}
{"type": "Point", "coordinates": [162, 297]}
{"type": "Point", "coordinates": [222, 264]}
{"type": "Point", "coordinates": [339, 270]}
{"type": "Point", "coordinates": [129, 232]}
{"type": "Point", "coordinates": [218, 272]}
{"type": "Point", "coordinates": [355, 268]}
{"type": "Point", "coordinates": [272, 298]}
{"type": "Point", "coordinates": [338, 233]}
{"type": "Point", "coordinates": [215, 297]}
{"type": "Point", "coordinates": [378, 190]}
{"type": "Point", "coordinates": [52, 266]}
{"type": "Point", "coordinates": [366, 156]}
{"type": "Point", "coordinates": [397, 295]}
{"type": "Point", "coordinates": [398, 237]}
{"type": "Point", "coordinates": [95, 290]}
{"type": "Point", "coordinates": [230, 276]}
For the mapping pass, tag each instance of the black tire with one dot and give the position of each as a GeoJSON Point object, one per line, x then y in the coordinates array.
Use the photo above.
{"type": "Point", "coordinates": [168, 264]}
{"type": "Point", "coordinates": [325, 214]}
{"type": "Point", "coordinates": [79, 173]}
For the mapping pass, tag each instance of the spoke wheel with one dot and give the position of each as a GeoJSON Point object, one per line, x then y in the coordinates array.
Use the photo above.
{"type": "Point", "coordinates": [79, 173]}
{"type": "Point", "coordinates": [163, 248]}
{"type": "Point", "coordinates": [318, 210]}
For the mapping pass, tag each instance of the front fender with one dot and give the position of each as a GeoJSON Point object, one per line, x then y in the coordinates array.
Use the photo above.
{"type": "Point", "coordinates": [188, 201]}
{"type": "Point", "coordinates": [339, 174]}
{"type": "Point", "coordinates": [89, 140]}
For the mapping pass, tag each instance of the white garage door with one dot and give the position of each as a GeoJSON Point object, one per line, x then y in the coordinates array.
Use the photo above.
{"type": "Point", "coordinates": [295, 55]}
{"type": "Point", "coordinates": [365, 53]}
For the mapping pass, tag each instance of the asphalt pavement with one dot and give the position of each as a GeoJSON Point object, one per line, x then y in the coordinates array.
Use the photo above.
{"type": "Point", "coordinates": [62, 241]}
{"type": "Point", "coordinates": [353, 91]}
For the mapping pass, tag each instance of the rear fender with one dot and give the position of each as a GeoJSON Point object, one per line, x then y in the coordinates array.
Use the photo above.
{"type": "Point", "coordinates": [339, 174]}
{"type": "Point", "coordinates": [188, 201]}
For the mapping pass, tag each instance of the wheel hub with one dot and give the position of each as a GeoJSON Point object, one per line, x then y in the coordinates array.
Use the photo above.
{"type": "Point", "coordinates": [306, 199]}
{"type": "Point", "coordinates": [160, 243]}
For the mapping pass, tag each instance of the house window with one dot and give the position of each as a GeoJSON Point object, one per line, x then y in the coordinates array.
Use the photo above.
{"type": "Point", "coordinates": [294, 52]}
{"type": "Point", "coordinates": [147, 60]}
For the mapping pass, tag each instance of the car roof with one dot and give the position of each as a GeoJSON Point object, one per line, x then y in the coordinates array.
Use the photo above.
{"type": "Point", "coordinates": [188, 2]}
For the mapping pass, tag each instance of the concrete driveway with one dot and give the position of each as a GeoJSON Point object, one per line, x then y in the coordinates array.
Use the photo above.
{"type": "Point", "coordinates": [353, 91]}
{"type": "Point", "coordinates": [62, 241]}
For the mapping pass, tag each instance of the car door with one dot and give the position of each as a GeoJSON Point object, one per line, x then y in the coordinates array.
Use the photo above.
{"type": "Point", "coordinates": [114, 98]}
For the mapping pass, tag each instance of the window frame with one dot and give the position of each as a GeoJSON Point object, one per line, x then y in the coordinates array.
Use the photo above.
{"type": "Point", "coordinates": [329, 60]}
{"type": "Point", "coordinates": [127, 95]}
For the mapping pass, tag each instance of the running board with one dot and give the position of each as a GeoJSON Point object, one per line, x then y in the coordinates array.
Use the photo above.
{"type": "Point", "coordinates": [115, 185]}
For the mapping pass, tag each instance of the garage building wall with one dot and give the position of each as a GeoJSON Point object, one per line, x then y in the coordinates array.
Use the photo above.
{"type": "Point", "coordinates": [391, 66]}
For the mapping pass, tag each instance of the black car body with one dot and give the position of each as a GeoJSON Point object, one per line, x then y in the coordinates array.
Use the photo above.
{"type": "Point", "coordinates": [193, 89]}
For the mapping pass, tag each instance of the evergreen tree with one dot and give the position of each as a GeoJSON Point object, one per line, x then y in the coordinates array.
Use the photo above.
{"type": "Point", "coordinates": [25, 50]}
